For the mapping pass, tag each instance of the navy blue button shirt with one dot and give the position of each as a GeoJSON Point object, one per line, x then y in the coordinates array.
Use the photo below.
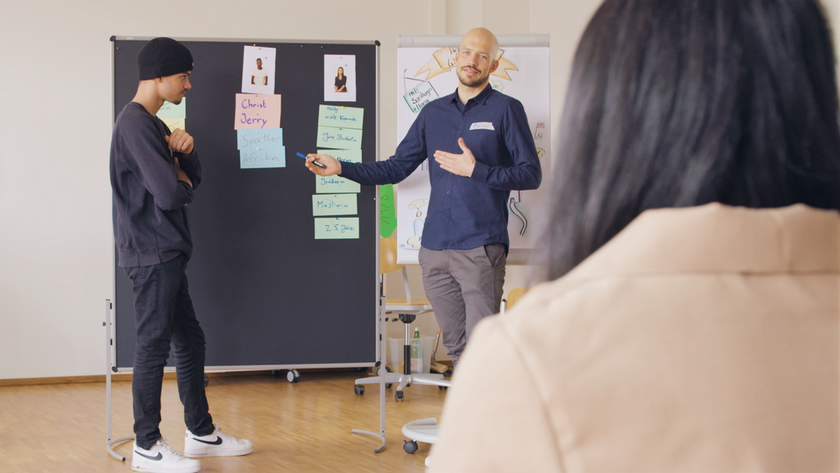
{"type": "Point", "coordinates": [464, 212]}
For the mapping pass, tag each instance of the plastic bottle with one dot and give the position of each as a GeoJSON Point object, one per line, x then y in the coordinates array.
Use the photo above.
{"type": "Point", "coordinates": [417, 353]}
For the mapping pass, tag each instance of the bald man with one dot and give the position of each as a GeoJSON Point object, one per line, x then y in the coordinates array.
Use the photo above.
{"type": "Point", "coordinates": [482, 149]}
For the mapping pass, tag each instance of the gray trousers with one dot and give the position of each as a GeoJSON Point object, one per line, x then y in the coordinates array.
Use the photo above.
{"type": "Point", "coordinates": [464, 286]}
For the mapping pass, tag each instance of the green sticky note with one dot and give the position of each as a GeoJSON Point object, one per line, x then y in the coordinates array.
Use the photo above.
{"type": "Point", "coordinates": [170, 110]}
{"type": "Point", "coordinates": [339, 138]}
{"type": "Point", "coordinates": [344, 228]}
{"type": "Point", "coordinates": [334, 204]}
{"type": "Point", "coordinates": [335, 184]}
{"type": "Point", "coordinates": [339, 116]}
{"type": "Point", "coordinates": [343, 155]}
{"type": "Point", "coordinates": [387, 216]}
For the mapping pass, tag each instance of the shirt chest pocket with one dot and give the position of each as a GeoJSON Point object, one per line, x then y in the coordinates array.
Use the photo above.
{"type": "Point", "coordinates": [484, 140]}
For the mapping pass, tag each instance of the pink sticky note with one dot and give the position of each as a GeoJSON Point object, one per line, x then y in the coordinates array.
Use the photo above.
{"type": "Point", "coordinates": [257, 111]}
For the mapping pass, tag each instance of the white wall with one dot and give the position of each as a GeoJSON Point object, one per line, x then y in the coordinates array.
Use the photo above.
{"type": "Point", "coordinates": [56, 265]}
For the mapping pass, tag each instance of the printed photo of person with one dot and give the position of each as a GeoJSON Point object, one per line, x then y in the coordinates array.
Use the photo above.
{"type": "Point", "coordinates": [259, 75]}
{"type": "Point", "coordinates": [258, 66]}
{"type": "Point", "coordinates": [339, 78]}
{"type": "Point", "coordinates": [340, 81]}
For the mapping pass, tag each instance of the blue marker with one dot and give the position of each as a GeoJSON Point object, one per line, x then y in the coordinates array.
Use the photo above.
{"type": "Point", "coordinates": [322, 166]}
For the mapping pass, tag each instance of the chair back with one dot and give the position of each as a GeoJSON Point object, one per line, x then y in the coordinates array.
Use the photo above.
{"type": "Point", "coordinates": [388, 263]}
{"type": "Point", "coordinates": [388, 255]}
{"type": "Point", "coordinates": [515, 294]}
{"type": "Point", "coordinates": [512, 297]}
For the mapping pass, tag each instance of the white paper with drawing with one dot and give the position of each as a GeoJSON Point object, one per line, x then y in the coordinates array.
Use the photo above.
{"type": "Point", "coordinates": [425, 74]}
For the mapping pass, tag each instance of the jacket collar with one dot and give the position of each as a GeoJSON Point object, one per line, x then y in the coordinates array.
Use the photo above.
{"type": "Point", "coordinates": [719, 238]}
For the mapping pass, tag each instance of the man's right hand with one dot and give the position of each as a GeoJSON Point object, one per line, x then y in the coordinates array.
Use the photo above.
{"type": "Point", "coordinates": [182, 176]}
{"type": "Point", "coordinates": [333, 167]}
{"type": "Point", "coordinates": [180, 141]}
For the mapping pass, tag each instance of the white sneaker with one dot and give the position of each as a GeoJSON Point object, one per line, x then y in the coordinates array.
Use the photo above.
{"type": "Point", "coordinates": [217, 444]}
{"type": "Point", "coordinates": [161, 458]}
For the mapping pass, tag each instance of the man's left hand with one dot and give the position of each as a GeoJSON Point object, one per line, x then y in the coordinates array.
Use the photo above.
{"type": "Point", "coordinates": [458, 164]}
{"type": "Point", "coordinates": [182, 176]}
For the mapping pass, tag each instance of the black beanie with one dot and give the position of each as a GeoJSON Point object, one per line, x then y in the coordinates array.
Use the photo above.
{"type": "Point", "coordinates": [163, 57]}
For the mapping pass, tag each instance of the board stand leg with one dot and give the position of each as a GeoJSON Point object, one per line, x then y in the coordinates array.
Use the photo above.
{"type": "Point", "coordinates": [380, 329]}
{"type": "Point", "coordinates": [109, 367]}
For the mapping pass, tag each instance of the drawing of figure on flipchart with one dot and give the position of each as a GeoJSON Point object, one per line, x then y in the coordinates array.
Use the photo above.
{"type": "Point", "coordinates": [419, 221]}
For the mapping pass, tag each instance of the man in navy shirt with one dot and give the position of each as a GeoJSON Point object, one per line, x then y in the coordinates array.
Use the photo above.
{"type": "Point", "coordinates": [482, 149]}
{"type": "Point", "coordinates": [153, 173]}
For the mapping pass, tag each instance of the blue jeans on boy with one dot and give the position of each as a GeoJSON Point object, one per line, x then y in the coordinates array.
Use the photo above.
{"type": "Point", "coordinates": [164, 316]}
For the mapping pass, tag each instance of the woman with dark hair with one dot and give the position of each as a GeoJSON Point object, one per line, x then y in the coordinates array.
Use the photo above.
{"type": "Point", "coordinates": [340, 81]}
{"type": "Point", "coordinates": [695, 234]}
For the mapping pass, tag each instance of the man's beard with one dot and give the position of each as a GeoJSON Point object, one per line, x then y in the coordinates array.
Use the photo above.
{"type": "Point", "coordinates": [474, 81]}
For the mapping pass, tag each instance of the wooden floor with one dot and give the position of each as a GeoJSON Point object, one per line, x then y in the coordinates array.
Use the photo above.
{"type": "Point", "coordinates": [303, 427]}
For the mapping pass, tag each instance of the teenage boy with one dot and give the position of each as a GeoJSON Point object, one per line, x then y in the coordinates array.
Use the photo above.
{"type": "Point", "coordinates": [153, 175]}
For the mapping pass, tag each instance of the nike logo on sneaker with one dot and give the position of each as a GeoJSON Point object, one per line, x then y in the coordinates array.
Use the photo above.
{"type": "Point", "coordinates": [156, 458]}
{"type": "Point", "coordinates": [218, 441]}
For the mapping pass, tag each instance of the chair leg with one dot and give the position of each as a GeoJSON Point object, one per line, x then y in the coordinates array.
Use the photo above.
{"type": "Point", "coordinates": [407, 319]}
{"type": "Point", "coordinates": [407, 351]}
{"type": "Point", "coordinates": [406, 378]}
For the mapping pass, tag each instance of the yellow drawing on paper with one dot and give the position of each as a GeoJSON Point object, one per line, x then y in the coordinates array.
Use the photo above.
{"type": "Point", "coordinates": [444, 60]}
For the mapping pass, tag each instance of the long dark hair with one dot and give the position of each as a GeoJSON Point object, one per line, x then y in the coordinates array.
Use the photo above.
{"type": "Point", "coordinates": [676, 103]}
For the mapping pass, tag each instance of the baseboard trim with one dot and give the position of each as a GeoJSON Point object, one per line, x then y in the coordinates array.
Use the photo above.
{"type": "Point", "coordinates": [114, 377]}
